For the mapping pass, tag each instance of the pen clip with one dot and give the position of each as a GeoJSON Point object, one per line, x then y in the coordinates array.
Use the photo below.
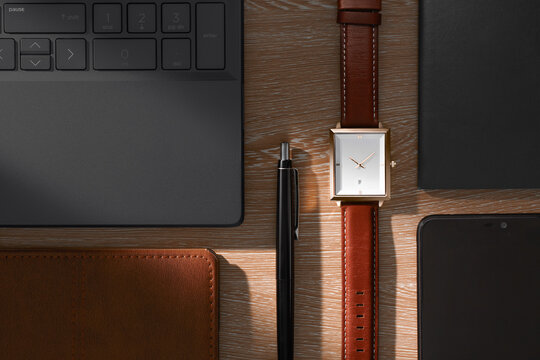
{"type": "Point", "coordinates": [297, 205]}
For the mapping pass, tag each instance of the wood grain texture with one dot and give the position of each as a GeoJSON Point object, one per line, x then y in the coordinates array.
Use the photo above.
{"type": "Point", "coordinates": [292, 93]}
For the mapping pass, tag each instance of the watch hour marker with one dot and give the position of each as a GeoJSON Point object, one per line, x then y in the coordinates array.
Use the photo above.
{"type": "Point", "coordinates": [359, 164]}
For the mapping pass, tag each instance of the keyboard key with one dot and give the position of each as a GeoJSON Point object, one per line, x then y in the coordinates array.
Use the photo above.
{"type": "Point", "coordinates": [44, 18]}
{"type": "Point", "coordinates": [142, 18]}
{"type": "Point", "coordinates": [124, 54]}
{"type": "Point", "coordinates": [211, 36]}
{"type": "Point", "coordinates": [35, 46]}
{"type": "Point", "coordinates": [175, 18]}
{"type": "Point", "coordinates": [35, 62]}
{"type": "Point", "coordinates": [71, 54]}
{"type": "Point", "coordinates": [7, 54]}
{"type": "Point", "coordinates": [107, 18]}
{"type": "Point", "coordinates": [176, 54]}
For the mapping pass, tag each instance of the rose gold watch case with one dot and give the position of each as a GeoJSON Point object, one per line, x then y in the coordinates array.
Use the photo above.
{"type": "Point", "coordinates": [367, 197]}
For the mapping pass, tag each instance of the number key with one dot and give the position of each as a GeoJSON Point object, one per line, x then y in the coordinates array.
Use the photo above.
{"type": "Point", "coordinates": [142, 18]}
{"type": "Point", "coordinates": [107, 18]}
{"type": "Point", "coordinates": [175, 18]}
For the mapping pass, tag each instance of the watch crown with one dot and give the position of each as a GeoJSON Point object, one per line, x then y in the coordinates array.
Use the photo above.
{"type": "Point", "coordinates": [393, 164]}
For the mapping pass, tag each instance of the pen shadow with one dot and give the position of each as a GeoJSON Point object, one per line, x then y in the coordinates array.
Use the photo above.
{"type": "Point", "coordinates": [308, 264]}
{"type": "Point", "coordinates": [388, 288]}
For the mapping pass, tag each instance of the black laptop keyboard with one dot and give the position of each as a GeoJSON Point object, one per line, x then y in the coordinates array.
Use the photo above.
{"type": "Point", "coordinates": [113, 36]}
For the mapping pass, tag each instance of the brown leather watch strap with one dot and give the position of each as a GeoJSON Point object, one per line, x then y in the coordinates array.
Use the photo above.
{"type": "Point", "coordinates": [359, 21]}
{"type": "Point", "coordinates": [360, 279]}
{"type": "Point", "coordinates": [359, 4]}
{"type": "Point", "coordinates": [359, 18]}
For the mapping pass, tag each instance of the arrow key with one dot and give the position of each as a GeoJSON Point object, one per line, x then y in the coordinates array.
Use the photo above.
{"type": "Point", "coordinates": [35, 46]}
{"type": "Point", "coordinates": [35, 62]}
{"type": "Point", "coordinates": [71, 54]}
{"type": "Point", "coordinates": [7, 54]}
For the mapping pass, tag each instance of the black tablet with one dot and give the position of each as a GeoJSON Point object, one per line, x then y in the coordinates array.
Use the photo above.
{"type": "Point", "coordinates": [479, 287]}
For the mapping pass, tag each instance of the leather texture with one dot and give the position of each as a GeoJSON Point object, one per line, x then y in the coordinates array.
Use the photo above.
{"type": "Point", "coordinates": [359, 62]}
{"type": "Point", "coordinates": [359, 4]}
{"type": "Point", "coordinates": [359, 21]}
{"type": "Point", "coordinates": [360, 280]}
{"type": "Point", "coordinates": [359, 18]}
{"type": "Point", "coordinates": [109, 304]}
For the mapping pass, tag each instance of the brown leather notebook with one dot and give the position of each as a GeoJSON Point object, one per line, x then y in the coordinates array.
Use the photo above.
{"type": "Point", "coordinates": [108, 304]}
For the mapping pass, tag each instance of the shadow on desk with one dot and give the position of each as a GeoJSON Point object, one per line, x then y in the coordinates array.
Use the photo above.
{"type": "Point", "coordinates": [236, 329]}
{"type": "Point", "coordinates": [388, 293]}
{"type": "Point", "coordinates": [403, 204]}
{"type": "Point", "coordinates": [308, 265]}
{"type": "Point", "coordinates": [481, 194]}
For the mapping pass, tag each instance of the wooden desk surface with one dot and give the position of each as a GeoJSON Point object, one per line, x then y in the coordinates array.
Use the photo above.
{"type": "Point", "coordinates": [292, 93]}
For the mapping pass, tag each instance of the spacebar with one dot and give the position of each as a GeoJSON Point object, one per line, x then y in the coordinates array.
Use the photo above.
{"type": "Point", "coordinates": [124, 54]}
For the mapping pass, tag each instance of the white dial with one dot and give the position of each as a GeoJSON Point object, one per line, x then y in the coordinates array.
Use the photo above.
{"type": "Point", "coordinates": [360, 164]}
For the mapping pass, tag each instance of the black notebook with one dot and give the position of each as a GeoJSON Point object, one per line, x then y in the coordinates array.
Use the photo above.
{"type": "Point", "coordinates": [479, 94]}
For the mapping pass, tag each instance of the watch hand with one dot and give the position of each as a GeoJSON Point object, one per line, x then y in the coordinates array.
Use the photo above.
{"type": "Point", "coordinates": [356, 162]}
{"type": "Point", "coordinates": [366, 159]}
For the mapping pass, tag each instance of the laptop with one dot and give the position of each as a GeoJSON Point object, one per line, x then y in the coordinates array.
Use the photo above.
{"type": "Point", "coordinates": [121, 113]}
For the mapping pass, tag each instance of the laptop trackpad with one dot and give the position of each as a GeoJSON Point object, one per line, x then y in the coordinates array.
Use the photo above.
{"type": "Point", "coordinates": [121, 153]}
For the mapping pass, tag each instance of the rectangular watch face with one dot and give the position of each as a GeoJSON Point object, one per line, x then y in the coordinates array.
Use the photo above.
{"type": "Point", "coordinates": [360, 164]}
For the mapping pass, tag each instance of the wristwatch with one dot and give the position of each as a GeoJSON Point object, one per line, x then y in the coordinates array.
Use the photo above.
{"type": "Point", "coordinates": [360, 174]}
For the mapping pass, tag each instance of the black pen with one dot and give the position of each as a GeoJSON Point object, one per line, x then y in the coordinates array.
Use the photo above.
{"type": "Point", "coordinates": [287, 232]}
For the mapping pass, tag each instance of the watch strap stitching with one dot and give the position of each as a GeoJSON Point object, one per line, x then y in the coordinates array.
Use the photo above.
{"type": "Point", "coordinates": [374, 77]}
{"type": "Point", "coordinates": [74, 318]}
{"type": "Point", "coordinates": [374, 284]}
{"type": "Point", "coordinates": [83, 279]}
{"type": "Point", "coordinates": [82, 302]}
{"type": "Point", "coordinates": [211, 287]}
{"type": "Point", "coordinates": [353, 304]}
{"type": "Point", "coordinates": [361, 118]}
{"type": "Point", "coordinates": [344, 74]}
{"type": "Point", "coordinates": [345, 293]}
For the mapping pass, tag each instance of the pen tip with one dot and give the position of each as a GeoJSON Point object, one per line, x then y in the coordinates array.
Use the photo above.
{"type": "Point", "coordinates": [285, 151]}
